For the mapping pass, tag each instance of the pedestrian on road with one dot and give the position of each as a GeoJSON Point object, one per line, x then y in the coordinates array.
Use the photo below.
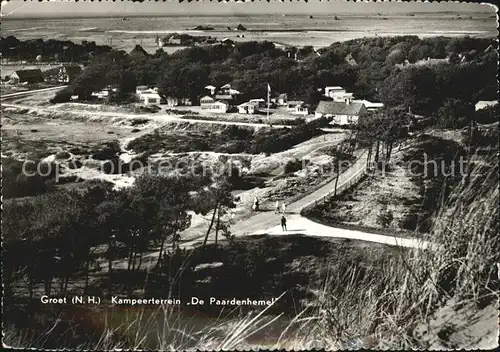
{"type": "Point", "coordinates": [283, 223]}
{"type": "Point", "coordinates": [277, 208]}
{"type": "Point", "coordinates": [284, 208]}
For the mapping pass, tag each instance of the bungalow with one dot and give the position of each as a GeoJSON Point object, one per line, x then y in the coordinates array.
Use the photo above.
{"type": "Point", "coordinates": [171, 101]}
{"type": "Point", "coordinates": [292, 105]}
{"type": "Point", "coordinates": [330, 92]}
{"type": "Point", "coordinates": [105, 93]}
{"type": "Point", "coordinates": [142, 89]}
{"type": "Point", "coordinates": [26, 76]}
{"type": "Point", "coordinates": [211, 89]}
{"type": "Point", "coordinates": [249, 107]}
{"type": "Point", "coordinates": [227, 41]}
{"type": "Point", "coordinates": [343, 113]}
{"type": "Point", "coordinates": [219, 107]}
{"type": "Point", "coordinates": [300, 109]}
{"type": "Point", "coordinates": [227, 93]}
{"type": "Point", "coordinates": [260, 102]}
{"type": "Point", "coordinates": [206, 102]}
{"type": "Point", "coordinates": [150, 98]}
{"type": "Point", "coordinates": [282, 99]}
{"type": "Point", "coordinates": [483, 104]}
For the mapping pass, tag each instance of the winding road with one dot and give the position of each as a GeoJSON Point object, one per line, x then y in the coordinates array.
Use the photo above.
{"type": "Point", "coordinates": [267, 222]}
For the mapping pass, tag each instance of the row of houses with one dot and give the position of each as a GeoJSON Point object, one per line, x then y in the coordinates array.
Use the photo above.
{"type": "Point", "coordinates": [343, 109]}
{"type": "Point", "coordinates": [65, 73]}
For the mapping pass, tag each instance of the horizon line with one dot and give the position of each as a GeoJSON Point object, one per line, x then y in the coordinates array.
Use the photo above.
{"type": "Point", "coordinates": [132, 15]}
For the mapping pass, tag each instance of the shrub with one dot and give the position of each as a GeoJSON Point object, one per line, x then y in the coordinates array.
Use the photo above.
{"type": "Point", "coordinates": [293, 165]}
{"type": "Point", "coordinates": [385, 218]}
{"type": "Point", "coordinates": [62, 96]}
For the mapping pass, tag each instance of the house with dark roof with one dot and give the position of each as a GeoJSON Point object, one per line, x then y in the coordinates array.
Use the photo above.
{"type": "Point", "coordinates": [342, 113]}
{"type": "Point", "coordinates": [139, 51]}
{"type": "Point", "coordinates": [26, 76]}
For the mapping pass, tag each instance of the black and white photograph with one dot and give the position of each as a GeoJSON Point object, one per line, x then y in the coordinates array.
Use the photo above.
{"type": "Point", "coordinates": [220, 176]}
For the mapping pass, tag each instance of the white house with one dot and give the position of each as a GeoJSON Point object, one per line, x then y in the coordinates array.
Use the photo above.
{"type": "Point", "coordinates": [334, 90]}
{"type": "Point", "coordinates": [300, 109]}
{"type": "Point", "coordinates": [219, 107]}
{"type": "Point", "coordinates": [282, 99]}
{"type": "Point", "coordinates": [342, 113]}
{"type": "Point", "coordinates": [483, 104]}
{"type": "Point", "coordinates": [260, 102]}
{"type": "Point", "coordinates": [291, 106]}
{"type": "Point", "coordinates": [171, 101]}
{"type": "Point", "coordinates": [211, 89]}
{"type": "Point", "coordinates": [142, 89]}
{"type": "Point", "coordinates": [249, 107]}
{"type": "Point", "coordinates": [150, 98]}
{"type": "Point", "coordinates": [206, 102]}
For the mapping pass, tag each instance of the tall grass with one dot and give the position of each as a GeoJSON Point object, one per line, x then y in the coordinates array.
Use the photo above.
{"type": "Point", "coordinates": [381, 305]}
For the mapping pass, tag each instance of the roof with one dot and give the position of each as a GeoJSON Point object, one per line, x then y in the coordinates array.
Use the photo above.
{"type": "Point", "coordinates": [282, 95]}
{"type": "Point", "coordinates": [369, 104]}
{"type": "Point", "coordinates": [481, 104]}
{"type": "Point", "coordinates": [209, 87]}
{"type": "Point", "coordinates": [251, 100]}
{"type": "Point", "coordinates": [227, 85]}
{"type": "Point", "coordinates": [150, 95]}
{"type": "Point", "coordinates": [221, 102]}
{"type": "Point", "coordinates": [334, 88]}
{"type": "Point", "coordinates": [234, 91]}
{"type": "Point", "coordinates": [32, 75]}
{"type": "Point", "coordinates": [339, 108]}
{"type": "Point", "coordinates": [295, 102]}
{"type": "Point", "coordinates": [139, 50]}
{"type": "Point", "coordinates": [206, 97]}
{"type": "Point", "coordinates": [249, 103]}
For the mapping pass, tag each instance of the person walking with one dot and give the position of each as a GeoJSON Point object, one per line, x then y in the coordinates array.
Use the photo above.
{"type": "Point", "coordinates": [277, 208]}
{"type": "Point", "coordinates": [283, 223]}
{"type": "Point", "coordinates": [284, 208]}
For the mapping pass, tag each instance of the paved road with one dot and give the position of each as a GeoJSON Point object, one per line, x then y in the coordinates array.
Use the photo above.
{"type": "Point", "coordinates": [29, 92]}
{"type": "Point", "coordinates": [269, 223]}
{"type": "Point", "coordinates": [164, 118]}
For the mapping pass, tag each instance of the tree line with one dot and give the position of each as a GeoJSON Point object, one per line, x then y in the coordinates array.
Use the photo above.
{"type": "Point", "coordinates": [64, 235]}
{"type": "Point", "coordinates": [50, 50]}
{"type": "Point", "coordinates": [468, 76]}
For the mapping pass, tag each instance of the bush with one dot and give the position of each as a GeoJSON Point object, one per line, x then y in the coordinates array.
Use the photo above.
{"type": "Point", "coordinates": [16, 183]}
{"type": "Point", "coordinates": [62, 96]}
{"type": "Point", "coordinates": [385, 218]}
{"type": "Point", "coordinates": [293, 166]}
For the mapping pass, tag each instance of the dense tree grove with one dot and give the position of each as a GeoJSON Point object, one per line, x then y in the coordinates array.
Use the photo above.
{"type": "Point", "coordinates": [56, 232]}
{"type": "Point", "coordinates": [50, 50]}
{"type": "Point", "coordinates": [469, 74]}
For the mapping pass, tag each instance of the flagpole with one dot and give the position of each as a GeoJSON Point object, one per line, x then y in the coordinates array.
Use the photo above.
{"type": "Point", "coordinates": [268, 103]}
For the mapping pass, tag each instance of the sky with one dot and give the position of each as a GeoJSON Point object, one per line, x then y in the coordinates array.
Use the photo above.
{"type": "Point", "coordinates": [70, 8]}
